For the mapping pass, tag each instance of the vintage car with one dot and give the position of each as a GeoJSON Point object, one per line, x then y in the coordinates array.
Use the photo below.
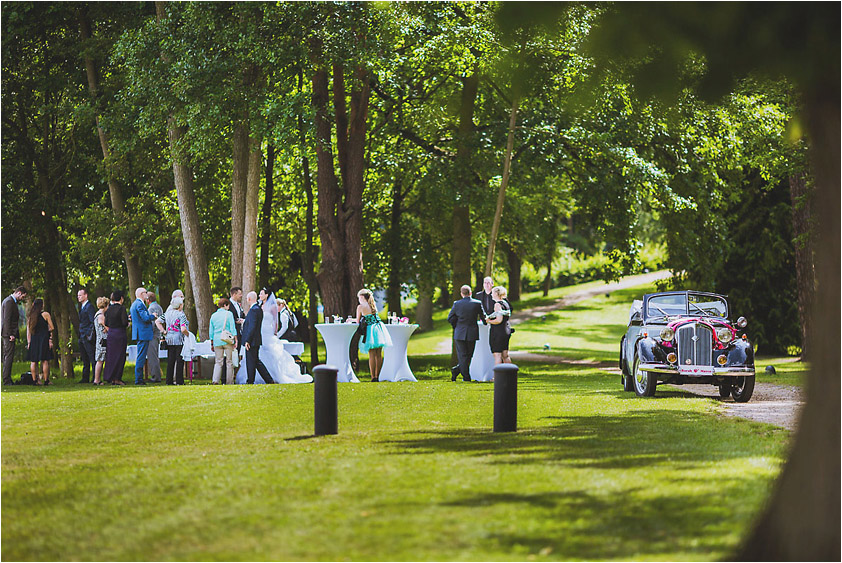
{"type": "Point", "coordinates": [686, 337]}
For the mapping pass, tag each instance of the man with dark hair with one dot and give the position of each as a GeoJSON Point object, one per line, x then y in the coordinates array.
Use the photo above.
{"type": "Point", "coordinates": [463, 318]}
{"type": "Point", "coordinates": [86, 329]}
{"type": "Point", "coordinates": [10, 319]}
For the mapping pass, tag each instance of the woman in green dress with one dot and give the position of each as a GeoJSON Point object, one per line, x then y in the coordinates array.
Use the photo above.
{"type": "Point", "coordinates": [375, 337]}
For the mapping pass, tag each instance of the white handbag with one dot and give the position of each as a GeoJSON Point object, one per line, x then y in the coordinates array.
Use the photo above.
{"type": "Point", "coordinates": [226, 336]}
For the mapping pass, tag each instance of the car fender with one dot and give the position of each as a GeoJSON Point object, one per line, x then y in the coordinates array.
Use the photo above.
{"type": "Point", "coordinates": [741, 354]}
{"type": "Point", "coordinates": [647, 350]}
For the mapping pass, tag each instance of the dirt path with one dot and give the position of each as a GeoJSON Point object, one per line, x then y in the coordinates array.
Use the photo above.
{"type": "Point", "coordinates": [631, 281]}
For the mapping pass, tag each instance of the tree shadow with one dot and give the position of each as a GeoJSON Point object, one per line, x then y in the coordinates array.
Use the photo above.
{"type": "Point", "coordinates": [632, 523]}
{"type": "Point", "coordinates": [632, 440]}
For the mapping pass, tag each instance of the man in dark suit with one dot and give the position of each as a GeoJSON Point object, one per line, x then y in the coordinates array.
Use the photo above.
{"type": "Point", "coordinates": [10, 318]}
{"type": "Point", "coordinates": [86, 328]}
{"type": "Point", "coordinates": [253, 340]}
{"type": "Point", "coordinates": [463, 318]}
{"type": "Point", "coordinates": [485, 297]}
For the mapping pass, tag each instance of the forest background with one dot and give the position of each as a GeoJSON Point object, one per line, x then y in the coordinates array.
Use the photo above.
{"type": "Point", "coordinates": [318, 148]}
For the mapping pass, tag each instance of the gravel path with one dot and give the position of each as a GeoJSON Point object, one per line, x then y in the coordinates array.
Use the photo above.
{"type": "Point", "coordinates": [775, 404]}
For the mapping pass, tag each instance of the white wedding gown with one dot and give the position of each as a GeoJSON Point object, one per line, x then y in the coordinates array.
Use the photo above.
{"type": "Point", "coordinates": [280, 364]}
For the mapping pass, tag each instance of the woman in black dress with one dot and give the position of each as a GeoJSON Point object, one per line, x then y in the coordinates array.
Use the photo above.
{"type": "Point", "coordinates": [39, 328]}
{"type": "Point", "coordinates": [499, 332]}
{"type": "Point", "coordinates": [116, 319]}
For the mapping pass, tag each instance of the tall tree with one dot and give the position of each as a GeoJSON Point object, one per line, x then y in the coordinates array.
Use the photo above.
{"type": "Point", "coordinates": [114, 189]}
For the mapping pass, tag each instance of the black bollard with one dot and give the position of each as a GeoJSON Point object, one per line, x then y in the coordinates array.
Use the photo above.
{"type": "Point", "coordinates": [505, 398]}
{"type": "Point", "coordinates": [324, 391]}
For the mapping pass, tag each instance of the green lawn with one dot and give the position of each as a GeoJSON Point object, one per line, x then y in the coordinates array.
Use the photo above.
{"type": "Point", "coordinates": [233, 473]}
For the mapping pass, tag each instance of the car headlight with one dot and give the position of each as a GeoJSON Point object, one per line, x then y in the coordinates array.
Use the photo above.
{"type": "Point", "coordinates": [667, 334]}
{"type": "Point", "coordinates": [742, 322]}
{"type": "Point", "coordinates": [725, 335]}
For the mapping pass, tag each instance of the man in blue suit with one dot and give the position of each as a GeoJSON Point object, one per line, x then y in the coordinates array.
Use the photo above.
{"type": "Point", "coordinates": [253, 340]}
{"type": "Point", "coordinates": [463, 318]}
{"type": "Point", "coordinates": [86, 328]}
{"type": "Point", "coordinates": [142, 321]}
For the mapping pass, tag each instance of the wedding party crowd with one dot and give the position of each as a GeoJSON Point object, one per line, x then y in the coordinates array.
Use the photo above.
{"type": "Point", "coordinates": [247, 341]}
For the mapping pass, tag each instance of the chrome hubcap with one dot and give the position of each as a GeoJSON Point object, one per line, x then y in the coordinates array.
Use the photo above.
{"type": "Point", "coordinates": [639, 377]}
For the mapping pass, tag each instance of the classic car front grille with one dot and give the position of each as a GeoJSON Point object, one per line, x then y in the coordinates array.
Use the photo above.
{"type": "Point", "coordinates": [695, 343]}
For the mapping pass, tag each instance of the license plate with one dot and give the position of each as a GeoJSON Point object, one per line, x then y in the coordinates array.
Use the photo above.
{"type": "Point", "coordinates": [695, 370]}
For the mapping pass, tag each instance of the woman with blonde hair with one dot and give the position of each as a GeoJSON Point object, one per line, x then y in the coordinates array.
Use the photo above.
{"type": "Point", "coordinates": [101, 336]}
{"type": "Point", "coordinates": [500, 332]}
{"type": "Point", "coordinates": [375, 337]}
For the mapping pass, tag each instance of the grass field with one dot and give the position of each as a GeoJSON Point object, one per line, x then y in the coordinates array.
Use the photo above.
{"type": "Point", "coordinates": [234, 473]}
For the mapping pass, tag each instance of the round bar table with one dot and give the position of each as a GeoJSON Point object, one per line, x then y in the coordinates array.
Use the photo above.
{"type": "Point", "coordinates": [337, 337]}
{"type": "Point", "coordinates": [395, 362]}
{"type": "Point", "coordinates": [482, 364]}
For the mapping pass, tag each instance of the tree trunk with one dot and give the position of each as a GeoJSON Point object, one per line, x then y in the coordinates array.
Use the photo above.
{"type": "Point", "coordinates": [802, 519]}
{"type": "Point", "coordinates": [548, 257]}
{"type": "Point", "coordinates": [252, 207]}
{"type": "Point", "coordinates": [393, 294]}
{"type": "Point", "coordinates": [515, 263]}
{"type": "Point", "coordinates": [189, 301]}
{"type": "Point", "coordinates": [266, 225]}
{"type": "Point", "coordinates": [461, 211]}
{"type": "Point", "coordinates": [353, 206]}
{"type": "Point", "coordinates": [501, 194]}
{"type": "Point", "coordinates": [194, 247]}
{"type": "Point", "coordinates": [308, 266]}
{"type": "Point", "coordinates": [114, 190]}
{"type": "Point", "coordinates": [332, 272]}
{"type": "Point", "coordinates": [424, 309]}
{"type": "Point", "coordinates": [239, 183]}
{"type": "Point", "coordinates": [804, 264]}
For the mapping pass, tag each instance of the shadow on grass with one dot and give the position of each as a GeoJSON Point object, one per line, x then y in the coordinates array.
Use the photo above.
{"type": "Point", "coordinates": [633, 523]}
{"type": "Point", "coordinates": [633, 440]}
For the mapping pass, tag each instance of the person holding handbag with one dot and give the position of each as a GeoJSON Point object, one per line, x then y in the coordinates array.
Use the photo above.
{"type": "Point", "coordinates": [222, 333]}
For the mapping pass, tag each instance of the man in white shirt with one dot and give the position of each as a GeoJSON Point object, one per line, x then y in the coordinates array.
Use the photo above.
{"type": "Point", "coordinates": [287, 323]}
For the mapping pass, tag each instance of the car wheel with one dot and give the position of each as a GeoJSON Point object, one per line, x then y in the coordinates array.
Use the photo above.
{"type": "Point", "coordinates": [644, 382]}
{"type": "Point", "coordinates": [742, 388]}
{"type": "Point", "coordinates": [725, 390]}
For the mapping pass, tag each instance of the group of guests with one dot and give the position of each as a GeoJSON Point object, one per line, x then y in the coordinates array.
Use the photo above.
{"type": "Point", "coordinates": [489, 306]}
{"type": "Point", "coordinates": [103, 334]}
{"type": "Point", "coordinates": [103, 337]}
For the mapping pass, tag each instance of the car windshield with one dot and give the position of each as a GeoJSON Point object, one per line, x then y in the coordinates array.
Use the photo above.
{"type": "Point", "coordinates": [693, 304]}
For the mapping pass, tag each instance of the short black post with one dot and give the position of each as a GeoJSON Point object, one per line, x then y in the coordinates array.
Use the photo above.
{"type": "Point", "coordinates": [505, 398]}
{"type": "Point", "coordinates": [324, 391]}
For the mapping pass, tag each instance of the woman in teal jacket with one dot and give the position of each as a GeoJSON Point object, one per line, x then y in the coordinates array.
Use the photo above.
{"type": "Point", "coordinates": [223, 319]}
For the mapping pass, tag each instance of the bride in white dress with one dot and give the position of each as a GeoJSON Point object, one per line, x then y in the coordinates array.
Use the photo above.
{"type": "Point", "coordinates": [280, 364]}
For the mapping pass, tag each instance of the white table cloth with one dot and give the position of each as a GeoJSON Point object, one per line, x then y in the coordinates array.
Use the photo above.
{"type": "Point", "coordinates": [395, 362]}
{"type": "Point", "coordinates": [337, 338]}
{"type": "Point", "coordinates": [131, 353]}
{"type": "Point", "coordinates": [293, 348]}
{"type": "Point", "coordinates": [482, 364]}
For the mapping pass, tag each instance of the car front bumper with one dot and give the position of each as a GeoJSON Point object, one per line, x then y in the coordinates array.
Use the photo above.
{"type": "Point", "coordinates": [734, 371]}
